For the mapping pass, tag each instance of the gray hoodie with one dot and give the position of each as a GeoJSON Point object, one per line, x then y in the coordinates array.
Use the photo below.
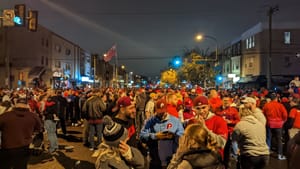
{"type": "Point", "coordinates": [250, 134]}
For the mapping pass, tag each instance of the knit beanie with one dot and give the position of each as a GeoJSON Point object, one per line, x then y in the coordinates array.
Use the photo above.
{"type": "Point", "coordinates": [113, 132]}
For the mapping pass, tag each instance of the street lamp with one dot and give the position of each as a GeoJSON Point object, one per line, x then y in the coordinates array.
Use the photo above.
{"type": "Point", "coordinates": [200, 37]}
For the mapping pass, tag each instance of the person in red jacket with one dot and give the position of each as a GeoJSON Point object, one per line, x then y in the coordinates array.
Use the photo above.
{"type": "Point", "coordinates": [214, 100]}
{"type": "Point", "coordinates": [276, 116]}
{"type": "Point", "coordinates": [215, 125]}
{"type": "Point", "coordinates": [231, 116]}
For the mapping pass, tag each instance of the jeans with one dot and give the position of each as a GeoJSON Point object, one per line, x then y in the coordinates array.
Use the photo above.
{"type": "Point", "coordinates": [139, 120]}
{"type": "Point", "coordinates": [50, 127]}
{"type": "Point", "coordinates": [85, 132]}
{"type": "Point", "coordinates": [254, 162]}
{"type": "Point", "coordinates": [16, 158]}
{"type": "Point", "coordinates": [98, 128]}
{"type": "Point", "coordinates": [278, 135]}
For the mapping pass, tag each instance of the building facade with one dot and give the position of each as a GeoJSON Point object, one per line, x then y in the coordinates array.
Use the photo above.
{"type": "Point", "coordinates": [249, 55]}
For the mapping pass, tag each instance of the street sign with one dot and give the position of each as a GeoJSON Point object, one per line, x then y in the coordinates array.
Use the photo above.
{"type": "Point", "coordinates": [200, 62]}
{"type": "Point", "coordinates": [8, 17]}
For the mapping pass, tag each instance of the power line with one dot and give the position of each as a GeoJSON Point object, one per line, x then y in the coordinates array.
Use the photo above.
{"type": "Point", "coordinates": [144, 58]}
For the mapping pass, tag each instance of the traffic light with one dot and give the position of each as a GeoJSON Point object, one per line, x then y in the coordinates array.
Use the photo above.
{"type": "Point", "coordinates": [8, 17]}
{"type": "Point", "coordinates": [176, 62]}
{"type": "Point", "coordinates": [219, 78]}
{"type": "Point", "coordinates": [20, 15]}
{"type": "Point", "coordinates": [32, 21]}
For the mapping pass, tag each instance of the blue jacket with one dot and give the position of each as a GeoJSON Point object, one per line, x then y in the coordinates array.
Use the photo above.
{"type": "Point", "coordinates": [165, 148]}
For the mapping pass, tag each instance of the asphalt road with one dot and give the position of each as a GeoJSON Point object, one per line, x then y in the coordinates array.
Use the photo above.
{"type": "Point", "coordinates": [81, 156]}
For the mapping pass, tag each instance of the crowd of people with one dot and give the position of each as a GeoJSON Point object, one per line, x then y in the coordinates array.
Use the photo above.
{"type": "Point", "coordinates": [156, 128]}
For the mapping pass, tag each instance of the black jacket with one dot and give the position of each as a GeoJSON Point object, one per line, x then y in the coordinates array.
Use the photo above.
{"type": "Point", "coordinates": [198, 159]}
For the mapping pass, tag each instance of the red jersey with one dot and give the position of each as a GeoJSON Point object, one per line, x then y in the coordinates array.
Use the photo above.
{"type": "Point", "coordinates": [217, 125]}
{"type": "Point", "coordinates": [295, 114]}
{"type": "Point", "coordinates": [230, 115]}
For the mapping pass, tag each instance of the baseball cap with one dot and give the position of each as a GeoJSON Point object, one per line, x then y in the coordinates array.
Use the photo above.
{"type": "Point", "coordinates": [161, 106]}
{"type": "Point", "coordinates": [200, 100]}
{"type": "Point", "coordinates": [124, 101]}
{"type": "Point", "coordinates": [249, 100]}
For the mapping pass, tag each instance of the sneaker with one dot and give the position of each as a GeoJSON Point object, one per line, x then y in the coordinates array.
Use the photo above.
{"type": "Point", "coordinates": [281, 157]}
{"type": "Point", "coordinates": [91, 149]}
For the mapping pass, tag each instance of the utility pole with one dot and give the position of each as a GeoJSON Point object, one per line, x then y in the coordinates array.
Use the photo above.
{"type": "Point", "coordinates": [95, 68]}
{"type": "Point", "coordinates": [271, 11]}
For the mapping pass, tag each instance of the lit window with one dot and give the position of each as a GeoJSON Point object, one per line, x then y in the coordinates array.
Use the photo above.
{"type": "Point", "coordinates": [247, 44]}
{"type": "Point", "coordinates": [253, 41]}
{"type": "Point", "coordinates": [287, 37]}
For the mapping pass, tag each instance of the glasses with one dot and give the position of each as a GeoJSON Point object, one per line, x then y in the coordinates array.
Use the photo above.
{"type": "Point", "coordinates": [200, 107]}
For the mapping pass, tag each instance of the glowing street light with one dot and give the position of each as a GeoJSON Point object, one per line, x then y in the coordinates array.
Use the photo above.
{"type": "Point", "coordinates": [200, 37]}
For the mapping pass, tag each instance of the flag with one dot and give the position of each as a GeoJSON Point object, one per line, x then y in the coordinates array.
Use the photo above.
{"type": "Point", "coordinates": [110, 53]}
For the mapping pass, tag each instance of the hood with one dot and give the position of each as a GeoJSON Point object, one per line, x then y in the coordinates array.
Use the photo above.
{"type": "Point", "coordinates": [251, 119]}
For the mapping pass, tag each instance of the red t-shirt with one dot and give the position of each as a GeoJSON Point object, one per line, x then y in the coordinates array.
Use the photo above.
{"type": "Point", "coordinates": [230, 114]}
{"type": "Point", "coordinates": [295, 114]}
{"type": "Point", "coordinates": [172, 110]}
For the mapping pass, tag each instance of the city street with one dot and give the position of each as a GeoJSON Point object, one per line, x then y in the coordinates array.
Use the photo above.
{"type": "Point", "coordinates": [81, 157]}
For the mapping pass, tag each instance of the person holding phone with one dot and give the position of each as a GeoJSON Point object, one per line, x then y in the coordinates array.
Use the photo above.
{"type": "Point", "coordinates": [161, 133]}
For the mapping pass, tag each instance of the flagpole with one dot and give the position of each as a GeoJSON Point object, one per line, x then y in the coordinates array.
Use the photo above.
{"type": "Point", "coordinates": [116, 62]}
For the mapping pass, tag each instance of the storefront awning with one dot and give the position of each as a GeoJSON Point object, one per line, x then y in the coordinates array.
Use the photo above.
{"type": "Point", "coordinates": [36, 72]}
{"type": "Point", "coordinates": [248, 79]}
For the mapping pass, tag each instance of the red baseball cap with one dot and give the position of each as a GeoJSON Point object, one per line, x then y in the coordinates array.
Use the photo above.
{"type": "Point", "coordinates": [161, 106]}
{"type": "Point", "coordinates": [200, 100]}
{"type": "Point", "coordinates": [124, 101]}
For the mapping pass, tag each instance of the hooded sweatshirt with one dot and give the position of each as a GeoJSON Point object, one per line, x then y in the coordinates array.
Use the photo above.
{"type": "Point", "coordinates": [250, 134]}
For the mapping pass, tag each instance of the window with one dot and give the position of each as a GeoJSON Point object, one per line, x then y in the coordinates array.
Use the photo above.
{"type": "Point", "coordinates": [250, 62]}
{"type": "Point", "coordinates": [57, 64]}
{"type": "Point", "coordinates": [250, 42]}
{"type": "Point", "coordinates": [58, 48]}
{"type": "Point", "coordinates": [287, 37]}
{"type": "Point", "coordinates": [68, 52]}
{"type": "Point", "coordinates": [68, 66]}
{"type": "Point", "coordinates": [42, 61]}
{"type": "Point", "coordinates": [47, 61]}
{"type": "Point", "coordinates": [253, 41]}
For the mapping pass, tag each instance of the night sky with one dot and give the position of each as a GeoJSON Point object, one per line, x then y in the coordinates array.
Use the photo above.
{"type": "Point", "coordinates": [153, 30]}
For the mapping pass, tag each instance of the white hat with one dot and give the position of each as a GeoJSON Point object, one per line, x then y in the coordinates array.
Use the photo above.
{"type": "Point", "coordinates": [249, 100]}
